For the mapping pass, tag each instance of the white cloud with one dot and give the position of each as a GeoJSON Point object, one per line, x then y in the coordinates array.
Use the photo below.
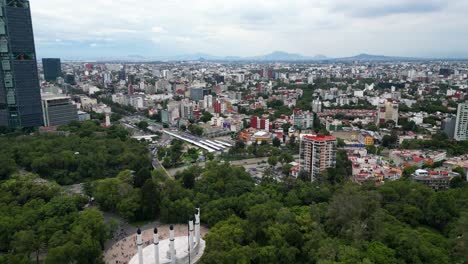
{"type": "Point", "coordinates": [183, 39]}
{"type": "Point", "coordinates": [252, 27]}
{"type": "Point", "coordinates": [156, 40]}
{"type": "Point", "coordinates": [158, 30]}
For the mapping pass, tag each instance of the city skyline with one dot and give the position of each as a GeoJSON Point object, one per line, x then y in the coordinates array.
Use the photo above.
{"type": "Point", "coordinates": [93, 29]}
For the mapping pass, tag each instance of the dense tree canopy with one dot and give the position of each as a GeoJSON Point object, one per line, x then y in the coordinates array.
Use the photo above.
{"type": "Point", "coordinates": [329, 221]}
{"type": "Point", "coordinates": [196, 130]}
{"type": "Point", "coordinates": [295, 221]}
{"type": "Point", "coordinates": [400, 222]}
{"type": "Point", "coordinates": [37, 218]}
{"type": "Point", "coordinates": [83, 151]}
{"type": "Point", "coordinates": [206, 116]}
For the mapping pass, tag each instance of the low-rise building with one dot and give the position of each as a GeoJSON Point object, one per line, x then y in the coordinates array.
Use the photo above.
{"type": "Point", "coordinates": [261, 137]}
{"type": "Point", "coordinates": [412, 136]}
{"type": "Point", "coordinates": [436, 180]}
{"type": "Point", "coordinates": [366, 139]}
{"type": "Point", "coordinates": [458, 162]}
{"type": "Point", "coordinates": [418, 158]}
{"type": "Point", "coordinates": [368, 167]}
{"type": "Point", "coordinates": [302, 119]}
{"type": "Point", "coordinates": [334, 125]}
{"type": "Point", "coordinates": [83, 116]}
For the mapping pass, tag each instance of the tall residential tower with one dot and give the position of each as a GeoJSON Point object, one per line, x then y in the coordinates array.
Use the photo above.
{"type": "Point", "coordinates": [20, 96]}
{"type": "Point", "coordinates": [388, 111]}
{"type": "Point", "coordinates": [317, 153]}
{"type": "Point", "coordinates": [461, 124]}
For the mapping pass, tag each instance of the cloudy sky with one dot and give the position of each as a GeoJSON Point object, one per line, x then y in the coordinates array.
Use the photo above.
{"type": "Point", "coordinates": [99, 28]}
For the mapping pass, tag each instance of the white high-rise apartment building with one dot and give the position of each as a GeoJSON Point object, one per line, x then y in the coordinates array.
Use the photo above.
{"type": "Point", "coordinates": [461, 124]}
{"type": "Point", "coordinates": [208, 101]}
{"type": "Point", "coordinates": [316, 106]}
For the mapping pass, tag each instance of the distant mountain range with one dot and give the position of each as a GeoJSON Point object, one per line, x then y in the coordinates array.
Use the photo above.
{"type": "Point", "coordinates": [284, 56]}
{"type": "Point", "coordinates": [276, 56]}
{"type": "Point", "coordinates": [368, 57]}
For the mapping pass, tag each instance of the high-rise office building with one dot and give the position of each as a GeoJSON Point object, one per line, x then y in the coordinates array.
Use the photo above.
{"type": "Point", "coordinates": [186, 109]}
{"type": "Point", "coordinates": [20, 96]}
{"type": "Point", "coordinates": [198, 94]}
{"type": "Point", "coordinates": [317, 153]}
{"type": "Point", "coordinates": [52, 69]}
{"type": "Point", "coordinates": [131, 79]}
{"type": "Point", "coordinates": [58, 110]}
{"type": "Point", "coordinates": [448, 126]}
{"type": "Point", "coordinates": [461, 124]}
{"type": "Point", "coordinates": [219, 79]}
{"type": "Point", "coordinates": [172, 115]}
{"type": "Point", "coordinates": [122, 75]}
{"type": "Point", "coordinates": [70, 79]}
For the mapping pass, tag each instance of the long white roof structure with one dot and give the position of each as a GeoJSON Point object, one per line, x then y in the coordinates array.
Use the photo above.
{"type": "Point", "coordinates": [198, 144]}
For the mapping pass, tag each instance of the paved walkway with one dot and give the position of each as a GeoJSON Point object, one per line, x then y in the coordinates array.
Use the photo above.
{"type": "Point", "coordinates": [124, 246]}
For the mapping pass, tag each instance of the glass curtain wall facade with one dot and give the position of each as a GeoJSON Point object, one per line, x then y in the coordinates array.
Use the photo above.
{"type": "Point", "coordinates": [20, 96]}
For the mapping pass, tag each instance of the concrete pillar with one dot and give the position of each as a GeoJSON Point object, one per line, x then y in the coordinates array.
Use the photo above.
{"type": "Point", "coordinates": [197, 228]}
{"type": "Point", "coordinates": [140, 246]}
{"type": "Point", "coordinates": [171, 245]}
{"type": "Point", "coordinates": [191, 237]}
{"type": "Point", "coordinates": [156, 245]}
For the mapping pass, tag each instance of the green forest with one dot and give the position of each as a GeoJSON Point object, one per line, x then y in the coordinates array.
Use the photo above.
{"type": "Point", "coordinates": [329, 221]}
{"type": "Point", "coordinates": [79, 152]}
{"type": "Point", "coordinates": [41, 224]}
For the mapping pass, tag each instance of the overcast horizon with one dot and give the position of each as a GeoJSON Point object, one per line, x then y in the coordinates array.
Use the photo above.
{"type": "Point", "coordinates": [334, 28]}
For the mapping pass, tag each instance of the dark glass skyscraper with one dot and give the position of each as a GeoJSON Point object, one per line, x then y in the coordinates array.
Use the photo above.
{"type": "Point", "coordinates": [20, 96]}
{"type": "Point", "coordinates": [52, 69]}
